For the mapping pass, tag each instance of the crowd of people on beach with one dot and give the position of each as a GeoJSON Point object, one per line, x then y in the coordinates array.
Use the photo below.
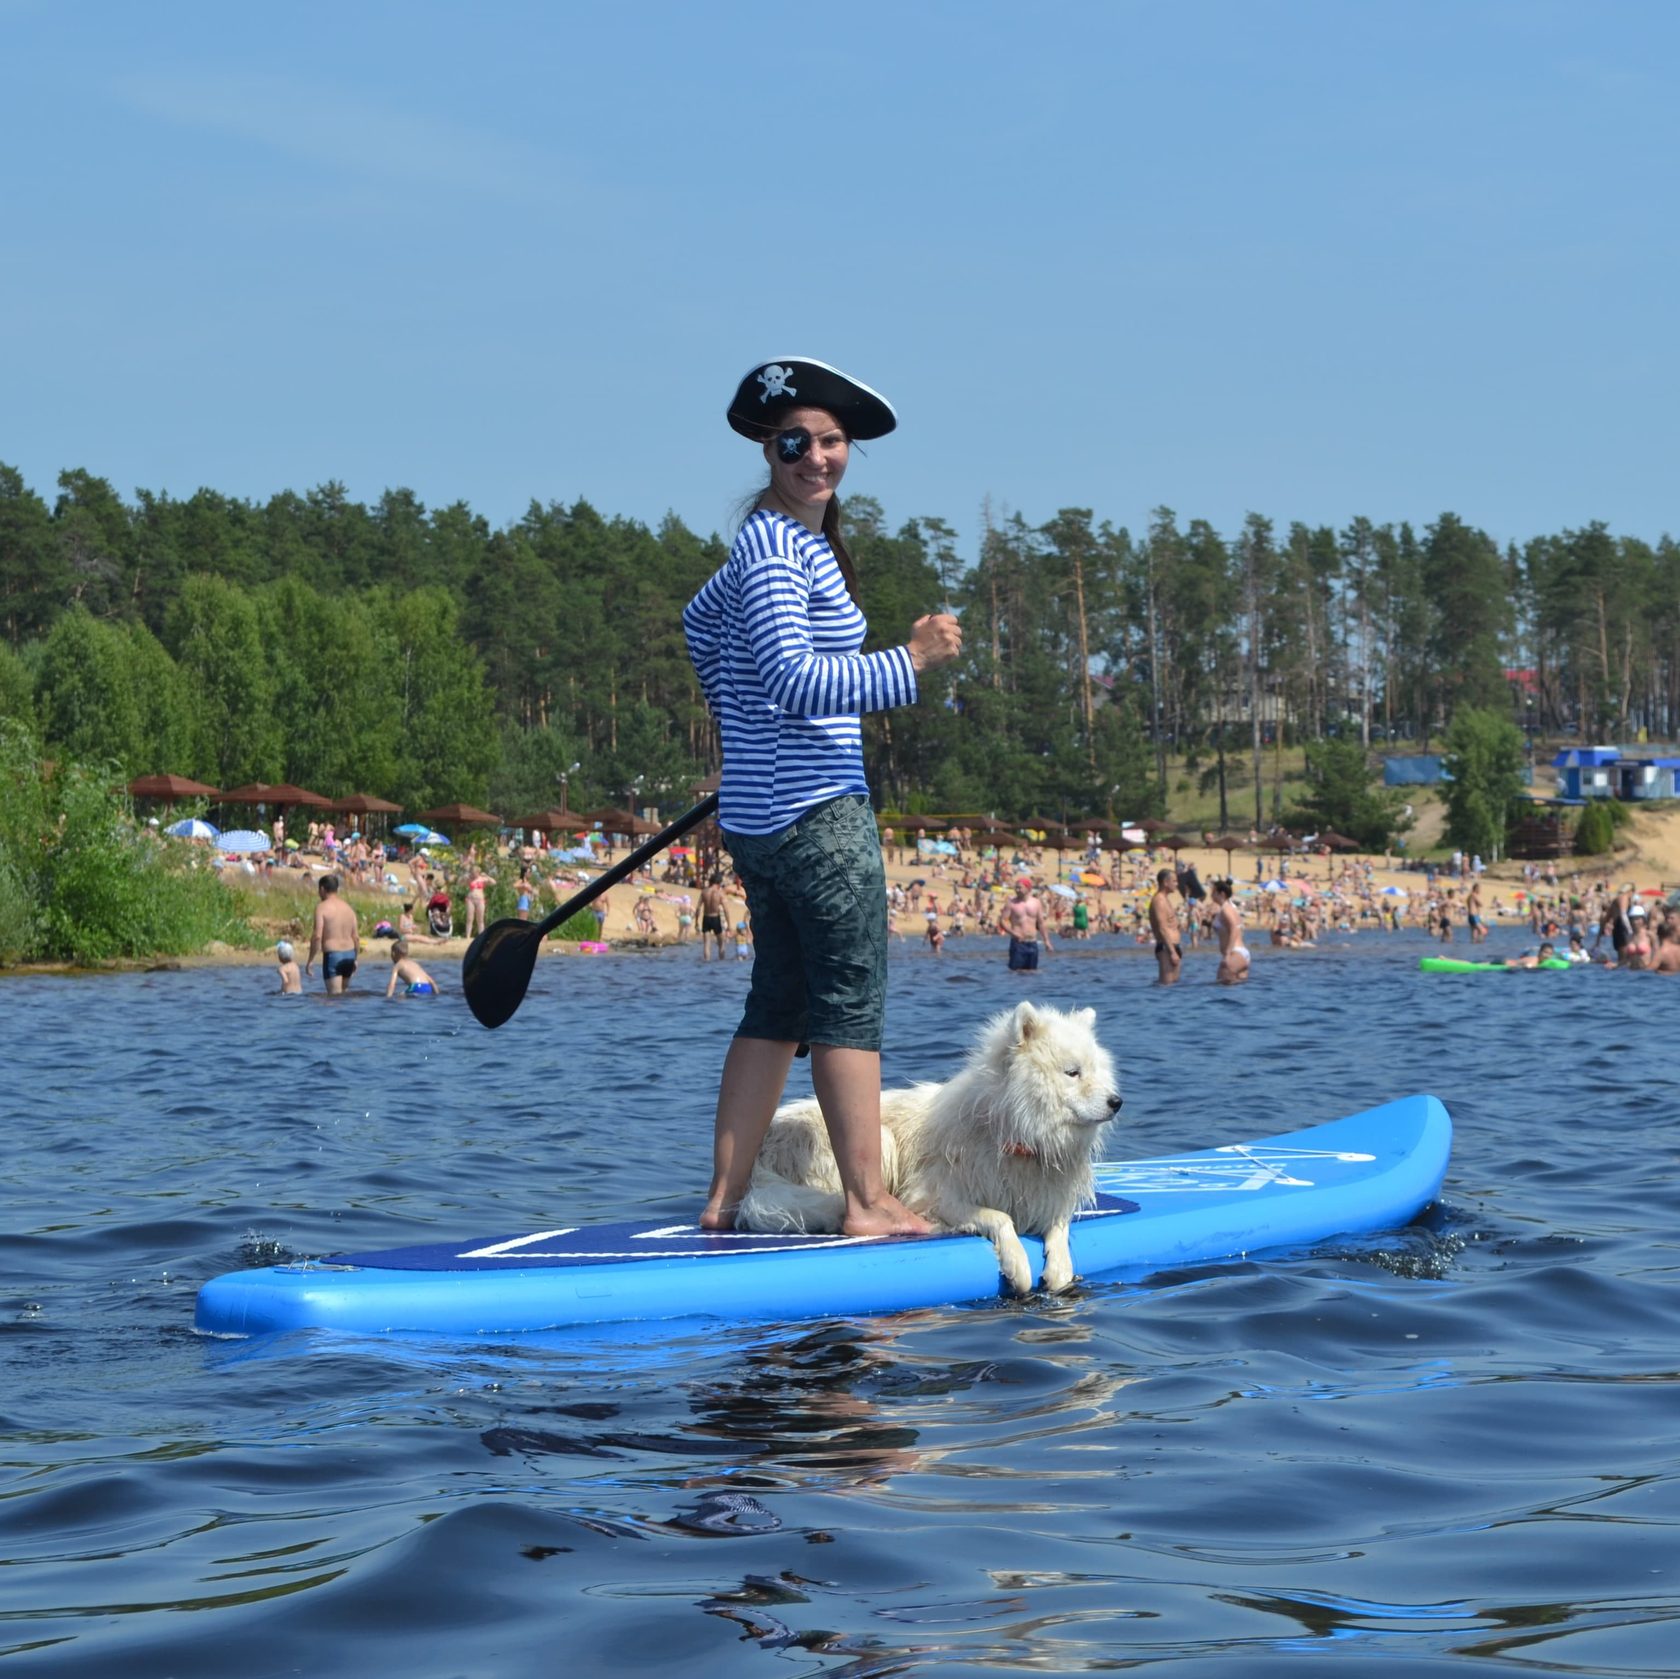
{"type": "Point", "coordinates": [1026, 897]}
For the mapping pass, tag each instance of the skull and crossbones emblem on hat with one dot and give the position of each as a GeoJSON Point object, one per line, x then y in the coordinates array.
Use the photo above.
{"type": "Point", "coordinates": [774, 379]}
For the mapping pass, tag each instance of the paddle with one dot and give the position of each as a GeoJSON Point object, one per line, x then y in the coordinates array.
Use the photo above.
{"type": "Point", "coordinates": [497, 967]}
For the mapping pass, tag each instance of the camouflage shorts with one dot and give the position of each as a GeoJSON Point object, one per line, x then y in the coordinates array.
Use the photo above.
{"type": "Point", "coordinates": [818, 896]}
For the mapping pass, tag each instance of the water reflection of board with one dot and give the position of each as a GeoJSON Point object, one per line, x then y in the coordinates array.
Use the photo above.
{"type": "Point", "coordinates": [1374, 1171]}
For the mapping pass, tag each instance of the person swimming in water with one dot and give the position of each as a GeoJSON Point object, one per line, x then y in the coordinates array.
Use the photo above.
{"type": "Point", "coordinates": [408, 973]}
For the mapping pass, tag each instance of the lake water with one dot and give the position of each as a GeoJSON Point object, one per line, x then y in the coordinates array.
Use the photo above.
{"type": "Point", "coordinates": [1459, 1441]}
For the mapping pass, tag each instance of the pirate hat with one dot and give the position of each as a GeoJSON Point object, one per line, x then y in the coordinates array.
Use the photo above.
{"type": "Point", "coordinates": [773, 387]}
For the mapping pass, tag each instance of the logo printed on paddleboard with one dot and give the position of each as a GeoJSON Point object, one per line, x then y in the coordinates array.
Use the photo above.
{"type": "Point", "coordinates": [1236, 1166]}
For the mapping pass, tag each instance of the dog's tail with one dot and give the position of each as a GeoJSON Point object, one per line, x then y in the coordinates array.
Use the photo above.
{"type": "Point", "coordinates": [778, 1204]}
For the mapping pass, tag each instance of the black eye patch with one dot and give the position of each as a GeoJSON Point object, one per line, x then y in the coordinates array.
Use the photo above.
{"type": "Point", "coordinates": [793, 444]}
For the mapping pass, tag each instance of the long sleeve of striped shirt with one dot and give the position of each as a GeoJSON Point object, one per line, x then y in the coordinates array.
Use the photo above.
{"type": "Point", "coordinates": [703, 630]}
{"type": "Point", "coordinates": [774, 638]}
{"type": "Point", "coordinates": [804, 629]}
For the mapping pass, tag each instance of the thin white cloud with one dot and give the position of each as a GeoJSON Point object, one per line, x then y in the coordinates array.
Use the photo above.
{"type": "Point", "coordinates": [353, 138]}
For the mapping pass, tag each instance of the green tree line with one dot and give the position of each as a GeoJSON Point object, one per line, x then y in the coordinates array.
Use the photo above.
{"type": "Point", "coordinates": [422, 654]}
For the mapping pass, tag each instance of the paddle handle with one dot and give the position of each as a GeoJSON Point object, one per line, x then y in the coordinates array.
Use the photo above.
{"type": "Point", "coordinates": [642, 854]}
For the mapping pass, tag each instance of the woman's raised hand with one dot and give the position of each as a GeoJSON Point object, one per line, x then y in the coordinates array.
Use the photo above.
{"type": "Point", "coordinates": [935, 640]}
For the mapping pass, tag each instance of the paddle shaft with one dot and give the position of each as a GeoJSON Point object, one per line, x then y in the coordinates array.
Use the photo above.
{"type": "Point", "coordinates": [642, 854]}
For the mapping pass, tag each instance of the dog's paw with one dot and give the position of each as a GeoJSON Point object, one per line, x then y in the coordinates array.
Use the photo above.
{"type": "Point", "coordinates": [1058, 1277]}
{"type": "Point", "coordinates": [1012, 1262]}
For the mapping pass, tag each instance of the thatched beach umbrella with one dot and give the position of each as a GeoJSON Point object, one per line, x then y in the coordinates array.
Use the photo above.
{"type": "Point", "coordinates": [612, 820]}
{"type": "Point", "coordinates": [364, 804]}
{"type": "Point", "coordinates": [550, 821]}
{"type": "Point", "coordinates": [1228, 843]}
{"type": "Point", "coordinates": [277, 793]}
{"type": "Point", "coordinates": [462, 815]}
{"type": "Point", "coordinates": [170, 787]}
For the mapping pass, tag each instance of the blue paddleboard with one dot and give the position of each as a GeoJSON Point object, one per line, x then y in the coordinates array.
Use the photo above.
{"type": "Point", "coordinates": [1373, 1171]}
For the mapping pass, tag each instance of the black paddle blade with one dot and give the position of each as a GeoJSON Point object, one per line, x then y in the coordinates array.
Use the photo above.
{"type": "Point", "coordinates": [497, 969]}
{"type": "Point", "coordinates": [498, 963]}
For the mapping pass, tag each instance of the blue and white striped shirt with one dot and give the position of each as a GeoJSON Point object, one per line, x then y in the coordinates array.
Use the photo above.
{"type": "Point", "coordinates": [774, 638]}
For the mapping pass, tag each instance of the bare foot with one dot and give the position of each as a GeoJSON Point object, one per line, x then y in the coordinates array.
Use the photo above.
{"type": "Point", "coordinates": [886, 1217]}
{"type": "Point", "coordinates": [717, 1217]}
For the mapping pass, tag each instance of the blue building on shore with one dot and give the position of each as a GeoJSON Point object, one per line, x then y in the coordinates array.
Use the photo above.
{"type": "Point", "coordinates": [1604, 772]}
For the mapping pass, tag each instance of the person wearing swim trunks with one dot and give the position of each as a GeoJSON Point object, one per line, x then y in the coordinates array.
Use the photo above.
{"type": "Point", "coordinates": [408, 973]}
{"type": "Point", "coordinates": [1163, 923]}
{"type": "Point", "coordinates": [337, 935]}
{"type": "Point", "coordinates": [711, 918]}
{"type": "Point", "coordinates": [1234, 960]}
{"type": "Point", "coordinates": [776, 639]}
{"type": "Point", "coordinates": [1024, 922]}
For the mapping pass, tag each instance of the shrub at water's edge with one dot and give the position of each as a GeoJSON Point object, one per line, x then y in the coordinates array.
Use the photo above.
{"type": "Point", "coordinates": [578, 927]}
{"type": "Point", "coordinates": [81, 883]}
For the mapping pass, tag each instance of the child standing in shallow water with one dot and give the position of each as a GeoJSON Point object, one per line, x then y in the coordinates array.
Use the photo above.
{"type": "Point", "coordinates": [291, 981]}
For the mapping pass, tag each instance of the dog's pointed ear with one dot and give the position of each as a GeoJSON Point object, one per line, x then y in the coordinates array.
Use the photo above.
{"type": "Point", "coordinates": [1026, 1021]}
{"type": "Point", "coordinates": [1089, 1016]}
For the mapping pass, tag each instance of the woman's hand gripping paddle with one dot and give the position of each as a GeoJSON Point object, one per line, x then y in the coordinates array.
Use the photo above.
{"type": "Point", "coordinates": [497, 967]}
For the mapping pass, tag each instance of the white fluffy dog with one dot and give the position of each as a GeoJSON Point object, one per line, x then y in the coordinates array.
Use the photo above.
{"type": "Point", "coordinates": [1005, 1146]}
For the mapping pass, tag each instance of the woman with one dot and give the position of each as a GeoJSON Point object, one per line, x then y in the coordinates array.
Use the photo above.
{"type": "Point", "coordinates": [775, 638]}
{"type": "Point", "coordinates": [1638, 950]}
{"type": "Point", "coordinates": [1227, 927]}
{"type": "Point", "coordinates": [478, 883]}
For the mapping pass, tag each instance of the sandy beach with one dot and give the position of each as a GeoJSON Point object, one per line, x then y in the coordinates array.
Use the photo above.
{"type": "Point", "coordinates": [1649, 857]}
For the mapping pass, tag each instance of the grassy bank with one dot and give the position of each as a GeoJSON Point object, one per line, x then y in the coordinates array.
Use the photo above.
{"type": "Point", "coordinates": [81, 882]}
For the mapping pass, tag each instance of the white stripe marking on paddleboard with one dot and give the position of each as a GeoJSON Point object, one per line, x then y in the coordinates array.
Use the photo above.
{"type": "Point", "coordinates": [517, 1244]}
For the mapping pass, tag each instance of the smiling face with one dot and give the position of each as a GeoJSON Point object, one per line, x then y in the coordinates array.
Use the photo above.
{"type": "Point", "coordinates": [803, 480]}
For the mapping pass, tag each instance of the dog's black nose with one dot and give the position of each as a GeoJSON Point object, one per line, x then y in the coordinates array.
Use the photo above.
{"type": "Point", "coordinates": [1114, 1104]}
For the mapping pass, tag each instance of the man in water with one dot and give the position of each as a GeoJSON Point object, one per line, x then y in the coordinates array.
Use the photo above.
{"type": "Point", "coordinates": [1163, 923]}
{"type": "Point", "coordinates": [336, 935]}
{"type": "Point", "coordinates": [1023, 921]}
{"type": "Point", "coordinates": [1667, 958]}
{"type": "Point", "coordinates": [1473, 912]}
{"type": "Point", "coordinates": [711, 918]}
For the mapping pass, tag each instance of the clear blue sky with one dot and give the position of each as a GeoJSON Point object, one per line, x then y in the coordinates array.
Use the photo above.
{"type": "Point", "coordinates": [1310, 259]}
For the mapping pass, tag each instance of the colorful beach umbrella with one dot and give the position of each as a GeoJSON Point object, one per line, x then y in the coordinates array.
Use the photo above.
{"type": "Point", "coordinates": [244, 839]}
{"type": "Point", "coordinates": [192, 827]}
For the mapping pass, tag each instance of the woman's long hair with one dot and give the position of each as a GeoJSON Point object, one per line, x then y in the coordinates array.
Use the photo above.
{"type": "Point", "coordinates": [830, 529]}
